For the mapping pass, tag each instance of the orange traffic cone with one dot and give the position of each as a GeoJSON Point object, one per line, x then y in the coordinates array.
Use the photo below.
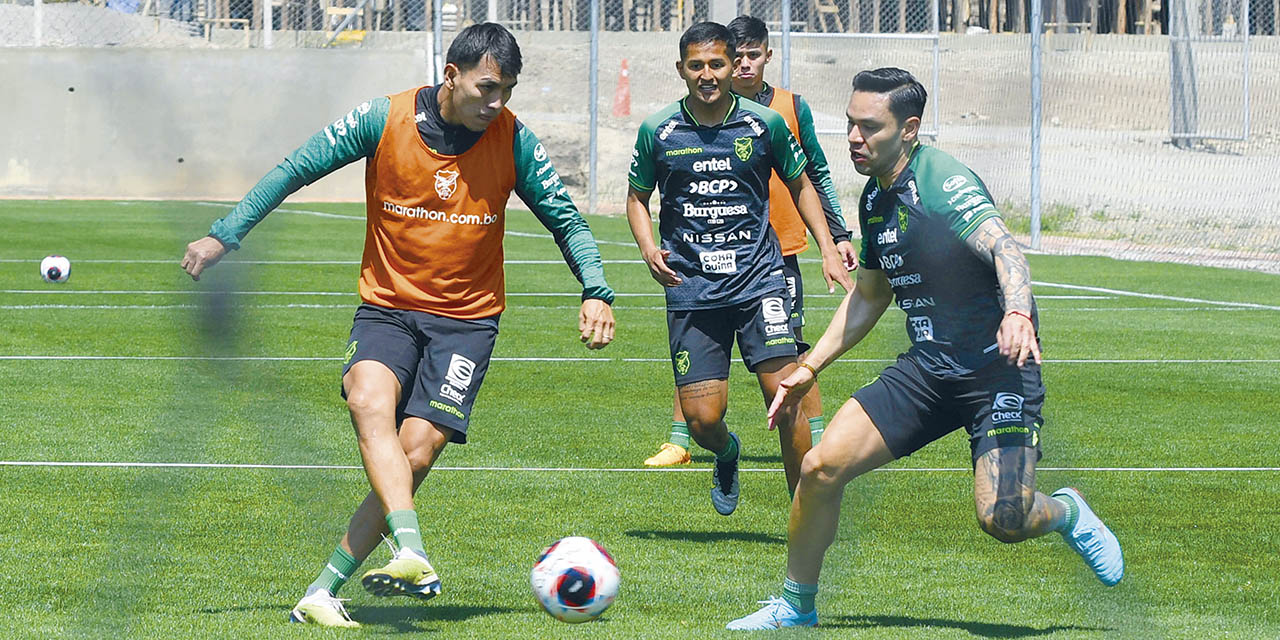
{"type": "Point", "coordinates": [622, 96]}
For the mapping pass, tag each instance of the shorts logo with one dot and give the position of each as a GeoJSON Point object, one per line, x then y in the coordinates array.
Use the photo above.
{"type": "Point", "coordinates": [351, 351]}
{"type": "Point", "coordinates": [791, 286]}
{"type": "Point", "coordinates": [743, 148]}
{"type": "Point", "coordinates": [682, 362]}
{"type": "Point", "coordinates": [458, 378]}
{"type": "Point", "coordinates": [774, 310]}
{"type": "Point", "coordinates": [1007, 407]}
{"type": "Point", "coordinates": [902, 218]}
{"type": "Point", "coordinates": [446, 183]}
{"type": "Point", "coordinates": [923, 328]}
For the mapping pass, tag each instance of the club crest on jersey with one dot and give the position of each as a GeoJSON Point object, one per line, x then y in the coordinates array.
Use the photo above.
{"type": "Point", "coordinates": [744, 147]}
{"type": "Point", "coordinates": [446, 183]}
{"type": "Point", "coordinates": [902, 218]}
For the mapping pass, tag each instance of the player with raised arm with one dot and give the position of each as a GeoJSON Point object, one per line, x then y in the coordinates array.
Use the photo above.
{"type": "Point", "coordinates": [442, 163]}
{"type": "Point", "coordinates": [932, 239]}
{"type": "Point", "coordinates": [748, 81]}
{"type": "Point", "coordinates": [711, 155]}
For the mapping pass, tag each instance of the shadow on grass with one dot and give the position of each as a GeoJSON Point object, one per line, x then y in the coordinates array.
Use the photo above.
{"type": "Point", "coordinates": [981, 629]}
{"type": "Point", "coordinates": [708, 459]}
{"type": "Point", "coordinates": [707, 536]}
{"type": "Point", "coordinates": [410, 618]}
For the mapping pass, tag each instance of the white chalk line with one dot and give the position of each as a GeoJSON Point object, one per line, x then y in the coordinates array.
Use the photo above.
{"type": "Point", "coordinates": [175, 261]}
{"type": "Point", "coordinates": [54, 358]}
{"type": "Point", "coordinates": [336, 467]}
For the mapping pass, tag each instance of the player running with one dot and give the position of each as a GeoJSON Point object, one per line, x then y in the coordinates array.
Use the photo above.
{"type": "Point", "coordinates": [442, 164]}
{"type": "Point", "coordinates": [748, 81]}
{"type": "Point", "coordinates": [711, 154]}
{"type": "Point", "coordinates": [932, 238]}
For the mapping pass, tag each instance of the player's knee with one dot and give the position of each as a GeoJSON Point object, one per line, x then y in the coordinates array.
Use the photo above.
{"type": "Point", "coordinates": [817, 470]}
{"type": "Point", "coordinates": [364, 400]}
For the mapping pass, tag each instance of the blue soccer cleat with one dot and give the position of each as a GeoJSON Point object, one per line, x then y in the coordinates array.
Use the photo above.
{"type": "Point", "coordinates": [724, 479]}
{"type": "Point", "coordinates": [775, 614]}
{"type": "Point", "coordinates": [1093, 540]}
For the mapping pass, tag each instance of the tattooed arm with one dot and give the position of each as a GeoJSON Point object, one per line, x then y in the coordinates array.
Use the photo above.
{"type": "Point", "coordinates": [1017, 336]}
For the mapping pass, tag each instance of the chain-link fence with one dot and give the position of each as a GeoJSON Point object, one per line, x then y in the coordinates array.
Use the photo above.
{"type": "Point", "coordinates": [1152, 145]}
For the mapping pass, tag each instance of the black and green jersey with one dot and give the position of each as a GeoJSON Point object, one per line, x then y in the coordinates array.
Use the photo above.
{"type": "Point", "coordinates": [714, 216]}
{"type": "Point", "coordinates": [356, 135]}
{"type": "Point", "coordinates": [915, 230]}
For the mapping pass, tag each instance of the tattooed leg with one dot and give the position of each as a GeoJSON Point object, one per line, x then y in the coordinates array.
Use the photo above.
{"type": "Point", "coordinates": [1008, 505]}
{"type": "Point", "coordinates": [704, 404]}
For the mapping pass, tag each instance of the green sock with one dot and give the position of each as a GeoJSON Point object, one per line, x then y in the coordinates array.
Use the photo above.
{"type": "Point", "coordinates": [340, 568]}
{"type": "Point", "coordinates": [816, 427]}
{"type": "Point", "coordinates": [679, 434]}
{"type": "Point", "coordinates": [730, 451]}
{"type": "Point", "coordinates": [800, 596]}
{"type": "Point", "coordinates": [1073, 512]}
{"type": "Point", "coordinates": [404, 529]}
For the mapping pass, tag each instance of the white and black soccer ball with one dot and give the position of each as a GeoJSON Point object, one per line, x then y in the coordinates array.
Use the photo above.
{"type": "Point", "coordinates": [55, 269]}
{"type": "Point", "coordinates": [575, 579]}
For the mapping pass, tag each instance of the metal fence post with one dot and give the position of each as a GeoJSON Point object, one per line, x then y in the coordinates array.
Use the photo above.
{"type": "Point", "coordinates": [37, 28]}
{"type": "Point", "coordinates": [786, 44]}
{"type": "Point", "coordinates": [594, 105]}
{"type": "Point", "coordinates": [437, 31]}
{"type": "Point", "coordinates": [267, 21]}
{"type": "Point", "coordinates": [1037, 31]}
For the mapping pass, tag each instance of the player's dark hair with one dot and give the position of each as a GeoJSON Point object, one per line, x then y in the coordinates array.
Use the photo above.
{"type": "Point", "coordinates": [906, 95]}
{"type": "Point", "coordinates": [485, 39]}
{"type": "Point", "coordinates": [749, 30]}
{"type": "Point", "coordinates": [706, 33]}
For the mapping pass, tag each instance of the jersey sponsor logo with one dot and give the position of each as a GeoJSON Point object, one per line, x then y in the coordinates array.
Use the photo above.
{"type": "Point", "coordinates": [716, 211]}
{"type": "Point", "coordinates": [953, 183]}
{"type": "Point", "coordinates": [718, 261]}
{"type": "Point", "coordinates": [916, 303]}
{"type": "Point", "coordinates": [902, 217]}
{"type": "Point", "coordinates": [539, 153]}
{"type": "Point", "coordinates": [685, 151]}
{"type": "Point", "coordinates": [906, 281]}
{"type": "Point", "coordinates": [711, 187]}
{"type": "Point", "coordinates": [458, 378]}
{"type": "Point", "coordinates": [923, 328]}
{"type": "Point", "coordinates": [961, 193]}
{"type": "Point", "coordinates": [550, 180]}
{"type": "Point", "coordinates": [1007, 407]}
{"type": "Point", "coordinates": [446, 183]}
{"type": "Point", "coordinates": [433, 215]}
{"type": "Point", "coordinates": [666, 129]}
{"type": "Point", "coordinates": [743, 148]}
{"type": "Point", "coordinates": [340, 126]}
{"type": "Point", "coordinates": [419, 117]}
{"type": "Point", "coordinates": [983, 207]}
{"type": "Point", "coordinates": [871, 198]}
{"type": "Point", "coordinates": [971, 202]}
{"type": "Point", "coordinates": [714, 164]}
{"type": "Point", "coordinates": [915, 195]}
{"type": "Point", "coordinates": [682, 361]}
{"type": "Point", "coordinates": [891, 261]}
{"type": "Point", "coordinates": [875, 219]}
{"type": "Point", "coordinates": [773, 310]}
{"type": "Point", "coordinates": [755, 126]}
{"type": "Point", "coordinates": [888, 236]}
{"type": "Point", "coordinates": [716, 238]}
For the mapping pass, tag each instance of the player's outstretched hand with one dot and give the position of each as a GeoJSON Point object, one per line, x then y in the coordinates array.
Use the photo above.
{"type": "Point", "coordinates": [847, 255]}
{"type": "Point", "coordinates": [201, 255]}
{"type": "Point", "coordinates": [1017, 339]}
{"type": "Point", "coordinates": [595, 321]}
{"type": "Point", "coordinates": [657, 261]}
{"type": "Point", "coordinates": [833, 270]}
{"type": "Point", "coordinates": [790, 391]}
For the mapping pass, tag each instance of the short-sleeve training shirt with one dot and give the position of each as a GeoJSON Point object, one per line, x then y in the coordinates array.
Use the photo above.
{"type": "Point", "coordinates": [714, 184]}
{"type": "Point", "coordinates": [915, 232]}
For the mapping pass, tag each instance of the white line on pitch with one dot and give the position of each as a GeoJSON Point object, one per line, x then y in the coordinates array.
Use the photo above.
{"type": "Point", "coordinates": [175, 261]}
{"type": "Point", "coordinates": [1155, 296]}
{"type": "Point", "coordinates": [571, 359]}
{"type": "Point", "coordinates": [327, 467]}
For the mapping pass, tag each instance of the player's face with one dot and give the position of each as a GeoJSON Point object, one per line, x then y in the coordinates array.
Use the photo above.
{"type": "Point", "coordinates": [707, 69]}
{"type": "Point", "coordinates": [479, 93]}
{"type": "Point", "coordinates": [877, 141]}
{"type": "Point", "coordinates": [749, 72]}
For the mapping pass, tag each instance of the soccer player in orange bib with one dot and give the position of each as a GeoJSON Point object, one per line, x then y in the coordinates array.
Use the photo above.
{"type": "Point", "coordinates": [442, 162]}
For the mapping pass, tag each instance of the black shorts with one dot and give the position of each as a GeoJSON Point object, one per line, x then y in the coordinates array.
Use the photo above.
{"type": "Point", "coordinates": [440, 362]}
{"type": "Point", "coordinates": [702, 340]}
{"type": "Point", "coordinates": [999, 405]}
{"type": "Point", "coordinates": [795, 288]}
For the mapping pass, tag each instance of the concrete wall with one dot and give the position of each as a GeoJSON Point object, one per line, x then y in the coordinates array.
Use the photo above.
{"type": "Point", "coordinates": [179, 124]}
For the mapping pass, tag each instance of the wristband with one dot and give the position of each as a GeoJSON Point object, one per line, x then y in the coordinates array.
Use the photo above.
{"type": "Point", "coordinates": [810, 368]}
{"type": "Point", "coordinates": [1015, 312]}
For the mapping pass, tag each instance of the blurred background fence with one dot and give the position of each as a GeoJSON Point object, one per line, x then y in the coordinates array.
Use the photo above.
{"type": "Point", "coordinates": [1159, 130]}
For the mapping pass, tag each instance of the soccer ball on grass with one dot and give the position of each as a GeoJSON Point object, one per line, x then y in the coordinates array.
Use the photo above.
{"type": "Point", "coordinates": [575, 579]}
{"type": "Point", "coordinates": [55, 269]}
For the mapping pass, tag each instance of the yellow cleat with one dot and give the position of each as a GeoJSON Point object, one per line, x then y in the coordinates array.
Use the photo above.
{"type": "Point", "coordinates": [669, 455]}
{"type": "Point", "coordinates": [322, 609]}
{"type": "Point", "coordinates": [408, 574]}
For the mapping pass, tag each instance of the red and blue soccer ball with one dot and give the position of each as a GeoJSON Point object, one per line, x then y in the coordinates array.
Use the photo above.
{"type": "Point", "coordinates": [575, 579]}
{"type": "Point", "coordinates": [55, 269]}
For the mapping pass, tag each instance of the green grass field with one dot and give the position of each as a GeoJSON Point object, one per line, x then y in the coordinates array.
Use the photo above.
{"type": "Point", "coordinates": [1157, 404]}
